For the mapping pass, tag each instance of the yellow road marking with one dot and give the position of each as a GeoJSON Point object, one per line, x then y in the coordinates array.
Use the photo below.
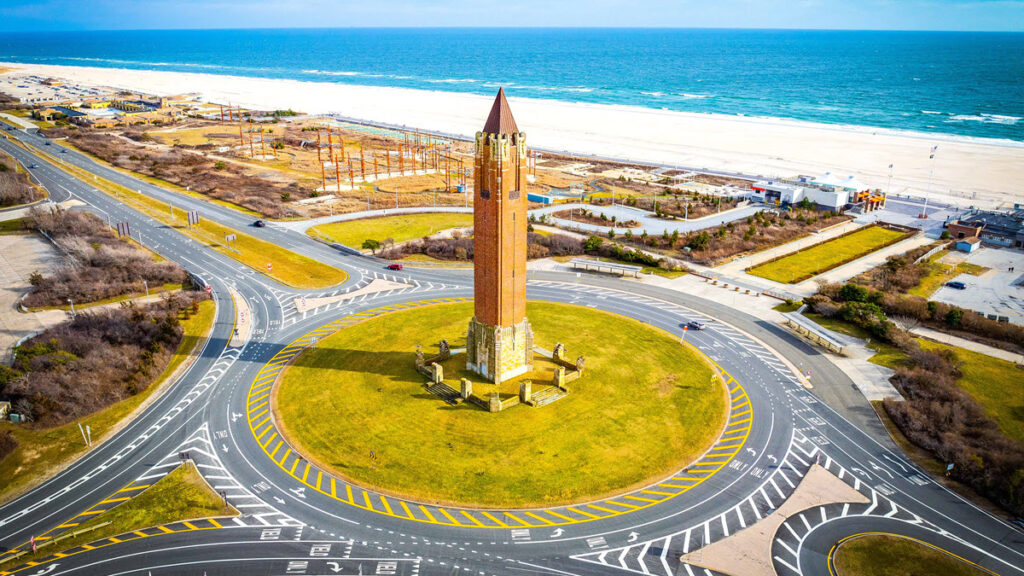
{"type": "Point", "coordinates": [111, 500]}
{"type": "Point", "coordinates": [190, 526]}
{"type": "Point", "coordinates": [449, 516]}
{"type": "Point", "coordinates": [427, 512]}
{"type": "Point", "coordinates": [490, 516]}
{"type": "Point", "coordinates": [134, 488]}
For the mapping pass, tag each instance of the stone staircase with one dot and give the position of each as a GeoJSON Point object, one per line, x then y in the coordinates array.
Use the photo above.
{"type": "Point", "coordinates": [445, 392]}
{"type": "Point", "coordinates": [547, 396]}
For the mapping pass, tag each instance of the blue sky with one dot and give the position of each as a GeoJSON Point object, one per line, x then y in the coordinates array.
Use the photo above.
{"type": "Point", "coordinates": [35, 15]}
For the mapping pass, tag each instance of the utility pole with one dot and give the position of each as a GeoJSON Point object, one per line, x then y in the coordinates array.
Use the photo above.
{"type": "Point", "coordinates": [146, 284]}
{"type": "Point", "coordinates": [72, 303]}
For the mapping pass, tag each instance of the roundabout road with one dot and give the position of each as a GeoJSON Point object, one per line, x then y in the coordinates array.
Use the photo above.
{"type": "Point", "coordinates": [297, 519]}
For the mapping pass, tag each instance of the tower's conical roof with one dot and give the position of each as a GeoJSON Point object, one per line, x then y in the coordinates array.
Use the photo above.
{"type": "Point", "coordinates": [500, 120]}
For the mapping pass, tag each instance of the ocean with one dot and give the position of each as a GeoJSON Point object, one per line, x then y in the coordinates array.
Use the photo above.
{"type": "Point", "coordinates": [963, 84]}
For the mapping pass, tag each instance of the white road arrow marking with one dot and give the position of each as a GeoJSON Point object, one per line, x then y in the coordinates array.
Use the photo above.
{"type": "Point", "coordinates": [633, 536]}
{"type": "Point", "coordinates": [861, 472]}
{"type": "Point", "coordinates": [278, 500]}
{"type": "Point", "coordinates": [752, 451]}
{"type": "Point", "coordinates": [558, 532]}
{"type": "Point", "coordinates": [334, 566]}
{"type": "Point", "coordinates": [46, 570]}
{"type": "Point", "coordinates": [224, 447]}
{"type": "Point", "coordinates": [300, 492]}
{"type": "Point", "coordinates": [773, 459]}
{"type": "Point", "coordinates": [878, 468]}
{"type": "Point", "coordinates": [894, 461]}
{"type": "Point", "coordinates": [235, 416]}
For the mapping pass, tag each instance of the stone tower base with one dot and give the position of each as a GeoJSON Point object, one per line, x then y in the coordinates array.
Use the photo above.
{"type": "Point", "coordinates": [499, 352]}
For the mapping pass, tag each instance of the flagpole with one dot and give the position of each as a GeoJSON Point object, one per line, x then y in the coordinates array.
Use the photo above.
{"type": "Point", "coordinates": [931, 173]}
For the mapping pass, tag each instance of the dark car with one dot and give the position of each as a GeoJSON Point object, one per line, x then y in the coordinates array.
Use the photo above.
{"type": "Point", "coordinates": [47, 142]}
{"type": "Point", "coordinates": [394, 266]}
{"type": "Point", "coordinates": [259, 223]}
{"type": "Point", "coordinates": [63, 150]}
{"type": "Point", "coordinates": [957, 285]}
{"type": "Point", "coordinates": [695, 325]}
{"type": "Point", "coordinates": [33, 165]}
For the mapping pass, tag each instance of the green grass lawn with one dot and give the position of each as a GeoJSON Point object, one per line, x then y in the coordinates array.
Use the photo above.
{"type": "Point", "coordinates": [646, 269]}
{"type": "Point", "coordinates": [939, 274]}
{"type": "Point", "coordinates": [41, 452]}
{"type": "Point", "coordinates": [784, 307]}
{"type": "Point", "coordinates": [400, 228]}
{"type": "Point", "coordinates": [885, 354]}
{"type": "Point", "coordinates": [16, 226]}
{"type": "Point", "coordinates": [644, 408]}
{"type": "Point", "coordinates": [181, 495]}
{"type": "Point", "coordinates": [990, 381]}
{"type": "Point", "coordinates": [890, 555]}
{"type": "Point", "coordinates": [812, 261]}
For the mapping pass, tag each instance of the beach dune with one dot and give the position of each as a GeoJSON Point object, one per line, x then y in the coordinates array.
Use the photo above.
{"type": "Point", "coordinates": [978, 172]}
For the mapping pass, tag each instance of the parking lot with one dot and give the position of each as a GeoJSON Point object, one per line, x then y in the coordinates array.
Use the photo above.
{"type": "Point", "coordinates": [997, 291]}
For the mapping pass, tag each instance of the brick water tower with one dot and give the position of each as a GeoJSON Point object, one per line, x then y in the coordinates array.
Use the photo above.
{"type": "Point", "coordinates": [499, 343]}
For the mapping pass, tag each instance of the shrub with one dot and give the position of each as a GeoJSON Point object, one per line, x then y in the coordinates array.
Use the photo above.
{"type": "Point", "coordinates": [7, 443]}
{"type": "Point", "coordinates": [220, 165]}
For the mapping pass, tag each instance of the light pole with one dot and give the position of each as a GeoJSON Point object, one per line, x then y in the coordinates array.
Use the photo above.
{"type": "Point", "coordinates": [146, 284]}
{"type": "Point", "coordinates": [931, 172]}
{"type": "Point", "coordinates": [72, 303]}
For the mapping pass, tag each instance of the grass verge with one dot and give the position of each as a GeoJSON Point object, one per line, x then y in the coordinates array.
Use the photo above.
{"type": "Point", "coordinates": [163, 183]}
{"type": "Point", "coordinates": [819, 258]}
{"type": "Point", "coordinates": [181, 495]}
{"type": "Point", "coordinates": [939, 274]}
{"type": "Point", "coordinates": [892, 555]}
{"type": "Point", "coordinates": [644, 408]}
{"type": "Point", "coordinates": [646, 269]}
{"type": "Point", "coordinates": [287, 267]}
{"type": "Point", "coordinates": [86, 305]}
{"type": "Point", "coordinates": [16, 226]}
{"type": "Point", "coordinates": [789, 307]}
{"type": "Point", "coordinates": [43, 452]}
{"type": "Point", "coordinates": [885, 354]}
{"type": "Point", "coordinates": [400, 228]}
{"type": "Point", "coordinates": [990, 381]}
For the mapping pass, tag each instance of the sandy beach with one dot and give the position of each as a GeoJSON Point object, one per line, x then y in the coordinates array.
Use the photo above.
{"type": "Point", "coordinates": [967, 172]}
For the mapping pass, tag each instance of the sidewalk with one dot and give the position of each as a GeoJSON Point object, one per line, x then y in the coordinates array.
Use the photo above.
{"type": "Point", "coordinates": [969, 345]}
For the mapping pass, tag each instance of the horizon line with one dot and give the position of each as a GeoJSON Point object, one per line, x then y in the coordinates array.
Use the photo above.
{"type": "Point", "coordinates": [492, 27]}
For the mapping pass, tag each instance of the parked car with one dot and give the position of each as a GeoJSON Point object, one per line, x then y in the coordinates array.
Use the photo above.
{"type": "Point", "coordinates": [957, 285]}
{"type": "Point", "coordinates": [395, 266]}
{"type": "Point", "coordinates": [259, 223]}
{"type": "Point", "coordinates": [695, 325]}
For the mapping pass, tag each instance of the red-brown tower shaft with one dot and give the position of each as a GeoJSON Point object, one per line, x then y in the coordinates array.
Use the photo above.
{"type": "Point", "coordinates": [500, 219]}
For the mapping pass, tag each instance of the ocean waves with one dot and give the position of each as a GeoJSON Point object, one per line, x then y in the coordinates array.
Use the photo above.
{"type": "Point", "coordinates": [957, 84]}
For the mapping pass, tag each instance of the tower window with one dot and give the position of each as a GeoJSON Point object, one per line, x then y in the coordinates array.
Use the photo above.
{"type": "Point", "coordinates": [485, 194]}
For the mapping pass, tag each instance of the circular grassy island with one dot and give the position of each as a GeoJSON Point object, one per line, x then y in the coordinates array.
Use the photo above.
{"type": "Point", "coordinates": [644, 408]}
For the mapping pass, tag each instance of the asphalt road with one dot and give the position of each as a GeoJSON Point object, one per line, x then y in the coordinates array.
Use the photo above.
{"type": "Point", "coordinates": [298, 519]}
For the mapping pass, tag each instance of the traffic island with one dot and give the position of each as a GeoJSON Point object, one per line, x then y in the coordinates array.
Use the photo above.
{"type": "Point", "coordinates": [355, 405]}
